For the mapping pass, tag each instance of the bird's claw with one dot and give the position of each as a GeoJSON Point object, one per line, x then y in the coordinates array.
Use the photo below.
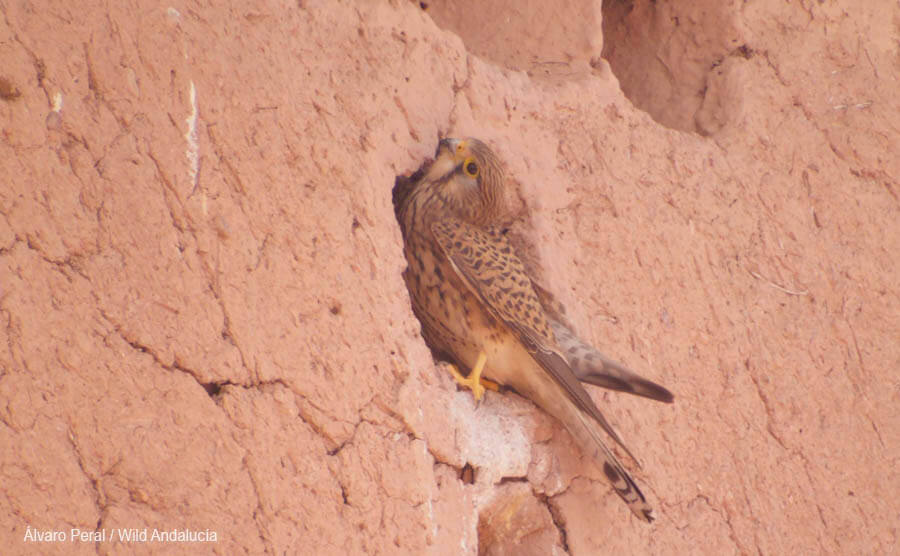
{"type": "Point", "coordinates": [474, 381]}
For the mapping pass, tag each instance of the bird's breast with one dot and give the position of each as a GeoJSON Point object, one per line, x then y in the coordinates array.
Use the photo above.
{"type": "Point", "coordinates": [447, 310]}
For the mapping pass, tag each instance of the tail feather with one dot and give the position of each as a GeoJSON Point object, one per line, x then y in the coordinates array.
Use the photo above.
{"type": "Point", "coordinates": [591, 366]}
{"type": "Point", "coordinates": [618, 477]}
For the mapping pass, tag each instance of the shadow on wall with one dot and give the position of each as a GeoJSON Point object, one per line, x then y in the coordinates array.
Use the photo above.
{"type": "Point", "coordinates": [681, 62]}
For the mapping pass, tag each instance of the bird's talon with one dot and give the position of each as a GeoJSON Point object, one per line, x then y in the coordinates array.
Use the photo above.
{"type": "Point", "coordinates": [474, 382]}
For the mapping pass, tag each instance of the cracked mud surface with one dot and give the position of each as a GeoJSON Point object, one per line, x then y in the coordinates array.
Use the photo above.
{"type": "Point", "coordinates": [203, 323]}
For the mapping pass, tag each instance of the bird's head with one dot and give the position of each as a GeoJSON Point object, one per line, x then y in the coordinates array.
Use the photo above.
{"type": "Point", "coordinates": [469, 177]}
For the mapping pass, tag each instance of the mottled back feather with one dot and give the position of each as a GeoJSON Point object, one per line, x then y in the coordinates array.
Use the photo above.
{"type": "Point", "coordinates": [489, 267]}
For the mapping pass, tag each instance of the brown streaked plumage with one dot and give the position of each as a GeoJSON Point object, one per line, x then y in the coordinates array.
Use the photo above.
{"type": "Point", "coordinates": [480, 309]}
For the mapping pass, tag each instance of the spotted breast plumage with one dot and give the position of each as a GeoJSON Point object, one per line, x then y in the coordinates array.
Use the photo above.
{"type": "Point", "coordinates": [480, 309]}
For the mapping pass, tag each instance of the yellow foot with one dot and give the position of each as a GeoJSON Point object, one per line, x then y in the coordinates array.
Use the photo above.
{"type": "Point", "coordinates": [474, 381]}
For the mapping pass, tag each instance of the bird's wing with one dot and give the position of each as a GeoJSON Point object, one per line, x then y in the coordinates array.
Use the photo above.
{"type": "Point", "coordinates": [591, 366]}
{"type": "Point", "coordinates": [588, 364]}
{"type": "Point", "coordinates": [487, 264]}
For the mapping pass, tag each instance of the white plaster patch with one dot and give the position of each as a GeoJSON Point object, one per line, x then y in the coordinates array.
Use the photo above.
{"type": "Point", "coordinates": [491, 438]}
{"type": "Point", "coordinates": [192, 152]}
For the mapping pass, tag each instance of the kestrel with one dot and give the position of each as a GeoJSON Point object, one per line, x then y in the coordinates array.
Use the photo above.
{"type": "Point", "coordinates": [480, 310]}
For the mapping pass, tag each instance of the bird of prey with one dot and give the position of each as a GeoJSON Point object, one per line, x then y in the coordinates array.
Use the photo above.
{"type": "Point", "coordinates": [481, 311]}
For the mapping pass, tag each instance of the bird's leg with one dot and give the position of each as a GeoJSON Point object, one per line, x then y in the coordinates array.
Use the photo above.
{"type": "Point", "coordinates": [474, 381]}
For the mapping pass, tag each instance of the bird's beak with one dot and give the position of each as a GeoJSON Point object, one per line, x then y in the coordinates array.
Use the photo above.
{"type": "Point", "coordinates": [448, 143]}
{"type": "Point", "coordinates": [456, 148]}
{"type": "Point", "coordinates": [450, 154]}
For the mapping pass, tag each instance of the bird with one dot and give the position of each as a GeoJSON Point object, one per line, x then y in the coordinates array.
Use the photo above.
{"type": "Point", "coordinates": [481, 311]}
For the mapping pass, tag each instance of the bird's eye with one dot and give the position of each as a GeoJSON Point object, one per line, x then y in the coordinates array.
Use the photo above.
{"type": "Point", "coordinates": [470, 167]}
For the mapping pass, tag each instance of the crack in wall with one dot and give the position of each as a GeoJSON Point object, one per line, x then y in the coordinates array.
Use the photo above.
{"type": "Point", "coordinates": [460, 90]}
{"type": "Point", "coordinates": [770, 412]}
{"type": "Point", "coordinates": [184, 224]}
{"type": "Point", "coordinates": [725, 515]}
{"type": "Point", "coordinates": [260, 511]}
{"type": "Point", "coordinates": [176, 364]}
{"type": "Point", "coordinates": [556, 516]}
{"type": "Point", "coordinates": [99, 498]}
